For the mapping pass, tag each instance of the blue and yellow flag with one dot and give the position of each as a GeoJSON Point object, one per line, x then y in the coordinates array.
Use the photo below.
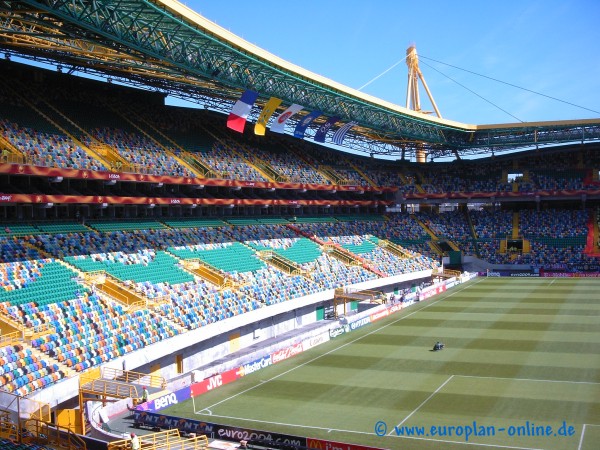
{"type": "Point", "coordinates": [265, 115]}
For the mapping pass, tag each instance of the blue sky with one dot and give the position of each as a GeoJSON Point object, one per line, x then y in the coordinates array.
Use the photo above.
{"type": "Point", "coordinates": [550, 47]}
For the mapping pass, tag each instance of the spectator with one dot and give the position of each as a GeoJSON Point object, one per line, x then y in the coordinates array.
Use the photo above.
{"type": "Point", "coordinates": [135, 442]}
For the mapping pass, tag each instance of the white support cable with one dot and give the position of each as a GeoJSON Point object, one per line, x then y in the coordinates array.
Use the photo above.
{"type": "Point", "coordinates": [510, 84]}
{"type": "Point", "coordinates": [381, 74]}
{"type": "Point", "coordinates": [473, 92]}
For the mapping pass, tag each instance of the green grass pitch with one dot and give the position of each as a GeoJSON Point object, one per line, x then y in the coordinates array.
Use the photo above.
{"type": "Point", "coordinates": [522, 355]}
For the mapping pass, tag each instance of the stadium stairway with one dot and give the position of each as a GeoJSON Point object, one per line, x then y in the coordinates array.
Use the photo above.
{"type": "Point", "coordinates": [90, 280]}
{"type": "Point", "coordinates": [338, 252]}
{"type": "Point", "coordinates": [269, 174]}
{"type": "Point", "coordinates": [170, 319]}
{"type": "Point", "coordinates": [395, 249]}
{"type": "Point", "coordinates": [361, 173]}
{"type": "Point", "coordinates": [207, 272]}
{"type": "Point", "coordinates": [419, 182]}
{"type": "Point", "coordinates": [110, 155]}
{"type": "Point", "coordinates": [435, 248]}
{"type": "Point", "coordinates": [183, 157]}
{"type": "Point", "coordinates": [474, 236]}
{"type": "Point", "coordinates": [14, 154]}
{"type": "Point", "coordinates": [425, 227]}
{"type": "Point", "coordinates": [261, 167]}
{"type": "Point", "coordinates": [405, 181]}
{"type": "Point", "coordinates": [70, 128]}
{"type": "Point", "coordinates": [301, 155]}
{"type": "Point", "coordinates": [28, 369]}
{"type": "Point", "coordinates": [433, 241]}
{"type": "Point", "coordinates": [276, 260]}
{"type": "Point", "coordinates": [43, 253]}
{"type": "Point", "coordinates": [349, 258]}
{"type": "Point", "coordinates": [194, 161]}
{"type": "Point", "coordinates": [331, 174]}
{"type": "Point", "coordinates": [515, 225]}
{"type": "Point", "coordinates": [69, 372]}
{"type": "Point", "coordinates": [57, 118]}
{"type": "Point", "coordinates": [299, 232]}
{"type": "Point", "coordinates": [146, 129]}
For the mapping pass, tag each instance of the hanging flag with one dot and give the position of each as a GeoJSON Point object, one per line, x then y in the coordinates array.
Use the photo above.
{"type": "Point", "coordinates": [323, 129]}
{"type": "Point", "coordinates": [265, 115]}
{"type": "Point", "coordinates": [241, 109]}
{"type": "Point", "coordinates": [340, 134]}
{"type": "Point", "coordinates": [305, 122]}
{"type": "Point", "coordinates": [279, 123]}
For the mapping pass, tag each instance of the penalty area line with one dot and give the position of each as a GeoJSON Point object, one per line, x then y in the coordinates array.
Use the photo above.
{"type": "Point", "coordinates": [424, 401]}
{"type": "Point", "coordinates": [583, 432]}
{"type": "Point", "coordinates": [581, 438]}
{"type": "Point", "coordinates": [209, 412]}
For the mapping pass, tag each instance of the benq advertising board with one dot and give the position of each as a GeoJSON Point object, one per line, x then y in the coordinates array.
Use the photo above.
{"type": "Point", "coordinates": [164, 401]}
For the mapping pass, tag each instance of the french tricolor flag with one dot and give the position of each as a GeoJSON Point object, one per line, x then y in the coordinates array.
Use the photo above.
{"type": "Point", "coordinates": [241, 109]}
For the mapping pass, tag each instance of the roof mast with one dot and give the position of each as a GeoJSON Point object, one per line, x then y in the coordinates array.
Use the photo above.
{"type": "Point", "coordinates": [413, 100]}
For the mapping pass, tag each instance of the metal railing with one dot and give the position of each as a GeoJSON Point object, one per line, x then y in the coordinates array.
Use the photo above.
{"type": "Point", "coordinates": [167, 440]}
{"type": "Point", "coordinates": [38, 432]}
{"type": "Point", "coordinates": [127, 376]}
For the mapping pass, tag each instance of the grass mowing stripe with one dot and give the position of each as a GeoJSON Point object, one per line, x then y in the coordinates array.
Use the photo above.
{"type": "Point", "coordinates": [537, 380]}
{"type": "Point", "coordinates": [516, 350]}
{"type": "Point", "coordinates": [376, 330]}
{"type": "Point", "coordinates": [307, 362]}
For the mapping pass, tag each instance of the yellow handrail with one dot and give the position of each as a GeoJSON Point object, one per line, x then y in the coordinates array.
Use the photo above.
{"type": "Point", "coordinates": [168, 440]}
{"type": "Point", "coordinates": [39, 432]}
{"type": "Point", "coordinates": [126, 376]}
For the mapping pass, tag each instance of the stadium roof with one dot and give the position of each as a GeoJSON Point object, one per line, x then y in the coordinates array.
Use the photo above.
{"type": "Point", "coordinates": [163, 45]}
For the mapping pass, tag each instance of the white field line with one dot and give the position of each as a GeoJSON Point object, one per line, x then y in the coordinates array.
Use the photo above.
{"type": "Point", "coordinates": [424, 401]}
{"type": "Point", "coordinates": [539, 380]}
{"type": "Point", "coordinates": [583, 432]}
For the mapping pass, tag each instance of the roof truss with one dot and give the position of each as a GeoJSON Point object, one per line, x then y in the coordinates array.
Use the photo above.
{"type": "Point", "coordinates": [142, 42]}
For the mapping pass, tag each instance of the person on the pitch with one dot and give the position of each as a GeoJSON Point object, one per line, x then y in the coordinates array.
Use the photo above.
{"type": "Point", "coordinates": [438, 346]}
